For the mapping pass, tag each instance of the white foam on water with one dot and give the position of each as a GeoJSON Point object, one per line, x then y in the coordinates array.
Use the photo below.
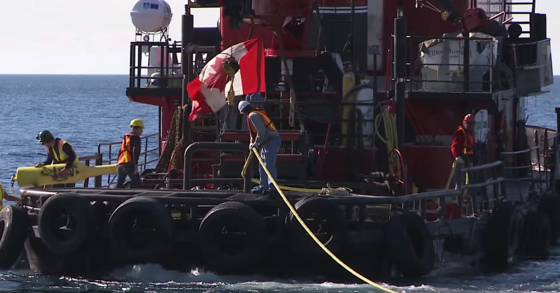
{"type": "Point", "coordinates": [536, 276]}
{"type": "Point", "coordinates": [155, 275]}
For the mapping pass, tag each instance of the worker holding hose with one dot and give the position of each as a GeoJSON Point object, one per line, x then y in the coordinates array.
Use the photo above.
{"type": "Point", "coordinates": [129, 155]}
{"type": "Point", "coordinates": [264, 136]}
{"type": "Point", "coordinates": [462, 148]}
{"type": "Point", "coordinates": [58, 152]}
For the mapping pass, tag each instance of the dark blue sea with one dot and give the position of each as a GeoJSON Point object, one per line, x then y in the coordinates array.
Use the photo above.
{"type": "Point", "coordinates": [86, 110]}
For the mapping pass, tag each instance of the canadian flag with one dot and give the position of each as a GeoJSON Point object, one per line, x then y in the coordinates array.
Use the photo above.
{"type": "Point", "coordinates": [208, 91]}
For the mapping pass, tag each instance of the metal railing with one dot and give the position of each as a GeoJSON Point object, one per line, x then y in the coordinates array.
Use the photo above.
{"type": "Point", "coordinates": [451, 76]}
{"type": "Point", "coordinates": [523, 54]}
{"type": "Point", "coordinates": [169, 70]}
{"type": "Point", "coordinates": [148, 151]}
{"type": "Point", "coordinates": [167, 74]}
{"type": "Point", "coordinates": [523, 172]}
{"type": "Point", "coordinates": [525, 58]}
{"type": "Point", "coordinates": [482, 193]}
{"type": "Point", "coordinates": [476, 193]}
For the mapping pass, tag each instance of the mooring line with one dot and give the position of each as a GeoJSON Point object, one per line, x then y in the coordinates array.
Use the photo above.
{"type": "Point", "coordinates": [325, 249]}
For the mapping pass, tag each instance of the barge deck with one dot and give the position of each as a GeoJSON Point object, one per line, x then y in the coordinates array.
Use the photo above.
{"type": "Point", "coordinates": [234, 232]}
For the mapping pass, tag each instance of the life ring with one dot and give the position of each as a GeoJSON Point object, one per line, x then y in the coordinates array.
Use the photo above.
{"type": "Point", "coordinates": [503, 233]}
{"type": "Point", "coordinates": [141, 213]}
{"type": "Point", "coordinates": [15, 228]}
{"type": "Point", "coordinates": [231, 236]}
{"type": "Point", "coordinates": [80, 221]}
{"type": "Point", "coordinates": [550, 205]}
{"type": "Point", "coordinates": [326, 216]}
{"type": "Point", "coordinates": [537, 235]}
{"type": "Point", "coordinates": [410, 244]}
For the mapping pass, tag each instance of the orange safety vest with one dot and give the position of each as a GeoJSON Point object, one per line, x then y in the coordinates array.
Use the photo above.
{"type": "Point", "coordinates": [61, 157]}
{"type": "Point", "coordinates": [467, 149]}
{"type": "Point", "coordinates": [126, 149]}
{"type": "Point", "coordinates": [269, 124]}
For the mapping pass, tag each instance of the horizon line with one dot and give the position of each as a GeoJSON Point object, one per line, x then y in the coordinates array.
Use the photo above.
{"type": "Point", "coordinates": [103, 74]}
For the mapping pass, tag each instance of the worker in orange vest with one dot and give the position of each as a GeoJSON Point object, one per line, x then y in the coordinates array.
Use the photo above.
{"type": "Point", "coordinates": [264, 136]}
{"type": "Point", "coordinates": [58, 152]}
{"type": "Point", "coordinates": [462, 148]}
{"type": "Point", "coordinates": [129, 155]}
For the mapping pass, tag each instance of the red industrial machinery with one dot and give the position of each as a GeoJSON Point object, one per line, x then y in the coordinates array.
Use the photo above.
{"type": "Point", "coordinates": [330, 130]}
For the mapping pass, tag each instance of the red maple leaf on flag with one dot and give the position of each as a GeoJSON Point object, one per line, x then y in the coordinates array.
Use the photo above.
{"type": "Point", "coordinates": [215, 76]}
{"type": "Point", "coordinates": [207, 90]}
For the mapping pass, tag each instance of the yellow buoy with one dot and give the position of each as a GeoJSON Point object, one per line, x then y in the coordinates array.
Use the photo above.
{"type": "Point", "coordinates": [50, 174]}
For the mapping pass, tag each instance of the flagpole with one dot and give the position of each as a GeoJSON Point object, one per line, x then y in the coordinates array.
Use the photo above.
{"type": "Point", "coordinates": [187, 38]}
{"type": "Point", "coordinates": [186, 56]}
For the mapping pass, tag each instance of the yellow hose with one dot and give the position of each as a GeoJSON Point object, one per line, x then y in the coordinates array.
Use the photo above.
{"type": "Point", "coordinates": [391, 141]}
{"type": "Point", "coordinates": [450, 176]}
{"type": "Point", "coordinates": [327, 251]}
{"type": "Point", "coordinates": [324, 190]}
{"type": "Point", "coordinates": [454, 199]}
{"type": "Point", "coordinates": [288, 188]}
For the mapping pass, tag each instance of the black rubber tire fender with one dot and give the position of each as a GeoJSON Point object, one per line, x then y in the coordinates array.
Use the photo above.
{"type": "Point", "coordinates": [159, 216]}
{"type": "Point", "coordinates": [15, 228]}
{"type": "Point", "coordinates": [222, 215]}
{"type": "Point", "coordinates": [503, 234]}
{"type": "Point", "coordinates": [410, 244]}
{"type": "Point", "coordinates": [537, 234]}
{"type": "Point", "coordinates": [84, 218]}
{"type": "Point", "coordinates": [550, 205]}
{"type": "Point", "coordinates": [300, 242]}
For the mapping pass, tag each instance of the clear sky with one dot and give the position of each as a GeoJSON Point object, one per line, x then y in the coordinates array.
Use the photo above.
{"type": "Point", "coordinates": [92, 37]}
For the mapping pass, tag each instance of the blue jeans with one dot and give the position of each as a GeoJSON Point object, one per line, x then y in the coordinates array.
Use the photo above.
{"type": "Point", "coordinates": [269, 151]}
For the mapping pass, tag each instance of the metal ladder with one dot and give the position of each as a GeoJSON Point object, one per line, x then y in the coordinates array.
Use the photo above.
{"type": "Point", "coordinates": [524, 9]}
{"type": "Point", "coordinates": [527, 8]}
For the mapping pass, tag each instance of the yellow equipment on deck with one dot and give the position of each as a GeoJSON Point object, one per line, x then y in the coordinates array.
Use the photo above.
{"type": "Point", "coordinates": [50, 174]}
{"type": "Point", "coordinates": [349, 104]}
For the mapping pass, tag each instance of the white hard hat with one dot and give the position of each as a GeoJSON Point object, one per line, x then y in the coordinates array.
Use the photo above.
{"type": "Point", "coordinates": [242, 105]}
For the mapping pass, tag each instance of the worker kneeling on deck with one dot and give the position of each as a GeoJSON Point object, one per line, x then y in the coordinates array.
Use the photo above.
{"type": "Point", "coordinates": [58, 152]}
{"type": "Point", "coordinates": [264, 136]}
{"type": "Point", "coordinates": [129, 155]}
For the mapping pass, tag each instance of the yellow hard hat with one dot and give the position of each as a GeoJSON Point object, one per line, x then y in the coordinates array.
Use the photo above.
{"type": "Point", "coordinates": [137, 123]}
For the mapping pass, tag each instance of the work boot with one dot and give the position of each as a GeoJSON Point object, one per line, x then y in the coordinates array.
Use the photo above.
{"type": "Point", "coordinates": [258, 189]}
{"type": "Point", "coordinates": [272, 193]}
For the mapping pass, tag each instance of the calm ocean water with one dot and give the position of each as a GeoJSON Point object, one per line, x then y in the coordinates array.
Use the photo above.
{"type": "Point", "coordinates": [86, 110]}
